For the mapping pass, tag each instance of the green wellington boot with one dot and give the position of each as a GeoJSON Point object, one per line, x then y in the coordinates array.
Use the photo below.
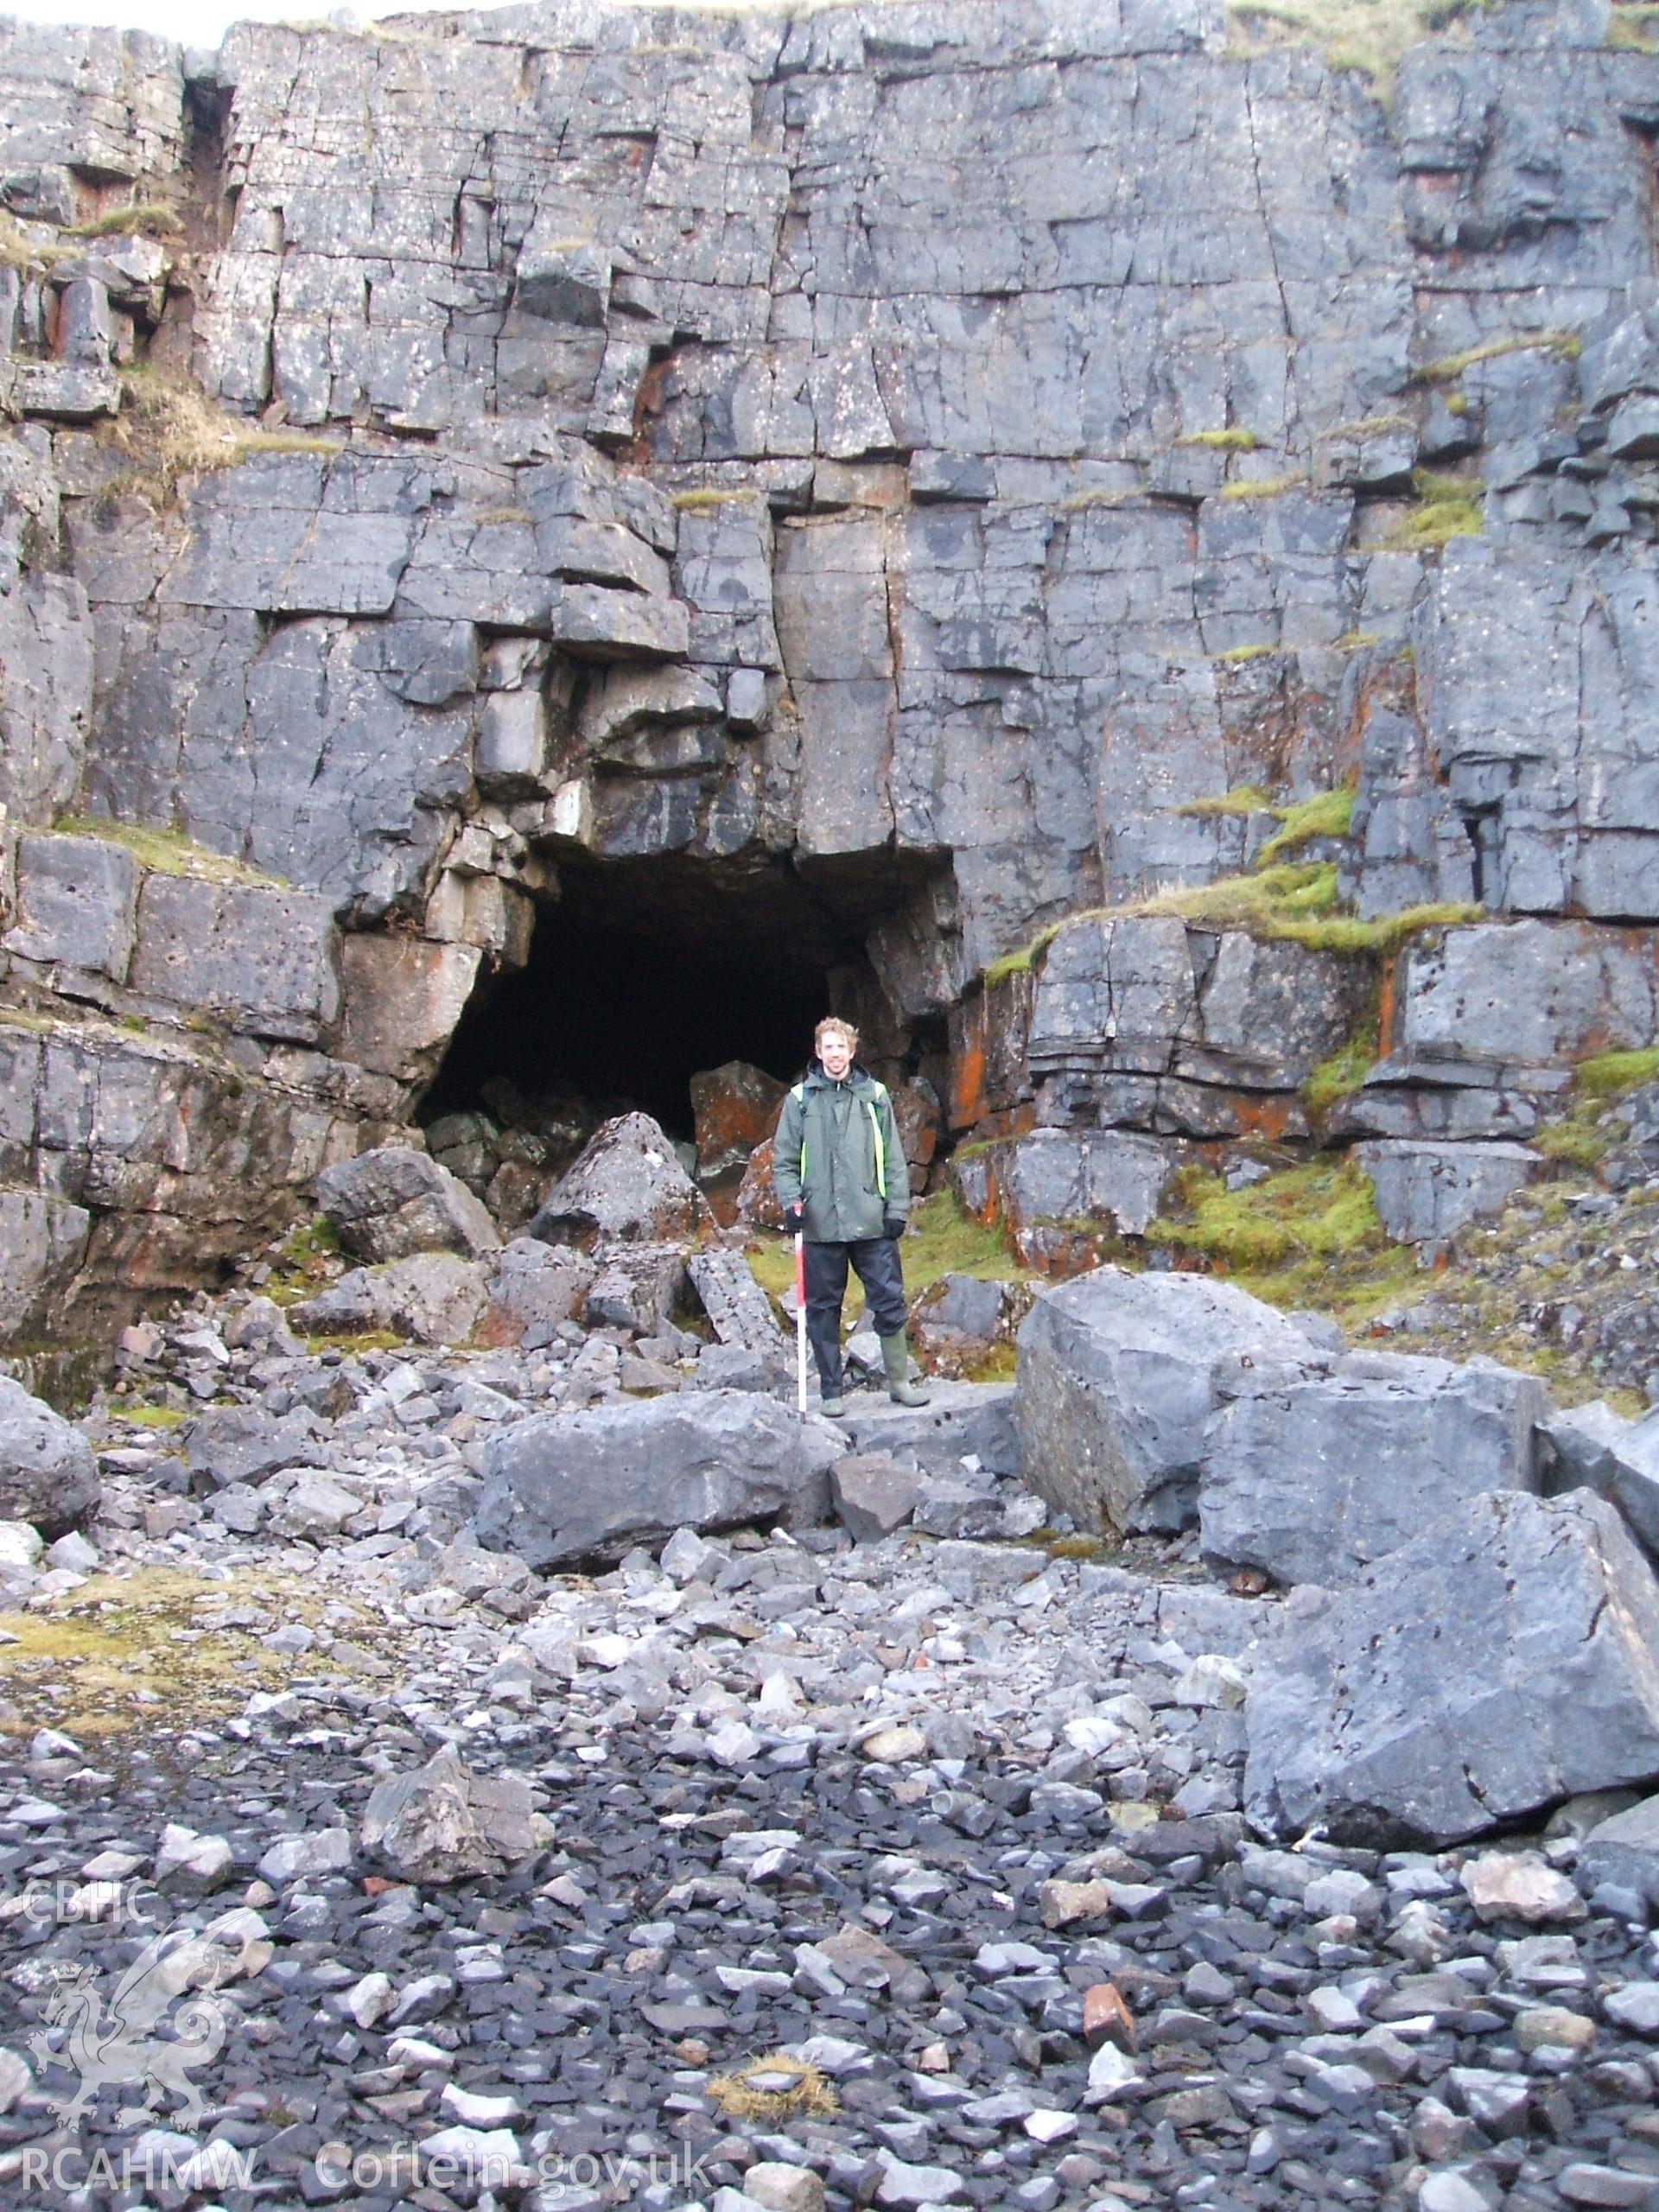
{"type": "Point", "coordinates": [895, 1357]}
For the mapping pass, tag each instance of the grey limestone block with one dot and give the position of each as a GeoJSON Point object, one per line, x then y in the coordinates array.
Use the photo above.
{"type": "Point", "coordinates": [262, 957]}
{"type": "Point", "coordinates": [1506, 1658]}
{"type": "Point", "coordinates": [394, 1201]}
{"type": "Point", "coordinates": [1311, 1477]}
{"type": "Point", "coordinates": [626, 1182]}
{"type": "Point", "coordinates": [1427, 1190]}
{"type": "Point", "coordinates": [1592, 1447]}
{"type": "Point", "coordinates": [1624, 1851]}
{"type": "Point", "coordinates": [76, 904]}
{"type": "Point", "coordinates": [48, 1475]}
{"type": "Point", "coordinates": [42, 1243]}
{"type": "Point", "coordinates": [563, 1487]}
{"type": "Point", "coordinates": [1118, 1380]}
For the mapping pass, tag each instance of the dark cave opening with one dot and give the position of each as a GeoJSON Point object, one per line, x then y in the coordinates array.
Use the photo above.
{"type": "Point", "coordinates": [644, 972]}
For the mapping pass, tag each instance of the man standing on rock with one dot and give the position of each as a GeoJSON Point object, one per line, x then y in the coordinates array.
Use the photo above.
{"type": "Point", "coordinates": [839, 1172]}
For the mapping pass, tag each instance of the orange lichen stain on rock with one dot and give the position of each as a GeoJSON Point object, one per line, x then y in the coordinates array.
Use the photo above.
{"type": "Point", "coordinates": [1271, 1117]}
{"type": "Point", "coordinates": [968, 1102]}
{"type": "Point", "coordinates": [1388, 1004]}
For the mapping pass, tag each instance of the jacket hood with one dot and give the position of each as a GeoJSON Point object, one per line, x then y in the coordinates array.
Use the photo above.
{"type": "Point", "coordinates": [857, 1073]}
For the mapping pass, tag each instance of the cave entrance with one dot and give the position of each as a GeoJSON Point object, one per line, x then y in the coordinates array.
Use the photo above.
{"type": "Point", "coordinates": [642, 973]}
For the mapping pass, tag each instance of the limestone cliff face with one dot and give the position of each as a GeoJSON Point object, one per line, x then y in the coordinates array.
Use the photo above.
{"type": "Point", "coordinates": [927, 450]}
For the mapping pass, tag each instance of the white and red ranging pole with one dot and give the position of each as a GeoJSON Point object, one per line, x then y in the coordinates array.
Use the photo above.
{"type": "Point", "coordinates": [800, 1321]}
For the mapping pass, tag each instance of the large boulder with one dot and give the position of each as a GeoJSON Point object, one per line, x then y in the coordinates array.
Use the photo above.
{"type": "Point", "coordinates": [1505, 1659]}
{"type": "Point", "coordinates": [1312, 1477]}
{"type": "Point", "coordinates": [561, 1487]}
{"type": "Point", "coordinates": [1118, 1380]}
{"type": "Point", "coordinates": [48, 1475]}
{"type": "Point", "coordinates": [1427, 1191]}
{"type": "Point", "coordinates": [625, 1184]}
{"type": "Point", "coordinates": [536, 1287]}
{"type": "Point", "coordinates": [1594, 1448]}
{"type": "Point", "coordinates": [392, 1202]}
{"type": "Point", "coordinates": [734, 1109]}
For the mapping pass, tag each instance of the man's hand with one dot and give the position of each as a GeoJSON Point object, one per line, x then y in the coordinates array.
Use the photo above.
{"type": "Point", "coordinates": [894, 1228]}
{"type": "Point", "coordinates": [793, 1217]}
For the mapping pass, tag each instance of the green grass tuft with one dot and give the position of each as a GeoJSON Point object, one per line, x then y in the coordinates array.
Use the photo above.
{"type": "Point", "coordinates": [170, 429]}
{"type": "Point", "coordinates": [1234, 440]}
{"type": "Point", "coordinates": [1565, 345]}
{"type": "Point", "coordinates": [1241, 656]}
{"type": "Point", "coordinates": [1445, 507]}
{"type": "Point", "coordinates": [1325, 1211]}
{"type": "Point", "coordinates": [1328, 814]}
{"type": "Point", "coordinates": [1243, 799]}
{"type": "Point", "coordinates": [1368, 37]}
{"type": "Point", "coordinates": [1606, 1075]}
{"type": "Point", "coordinates": [1636, 29]}
{"type": "Point", "coordinates": [1262, 488]}
{"type": "Point", "coordinates": [149, 222]}
{"type": "Point", "coordinates": [165, 852]}
{"type": "Point", "coordinates": [1343, 1073]}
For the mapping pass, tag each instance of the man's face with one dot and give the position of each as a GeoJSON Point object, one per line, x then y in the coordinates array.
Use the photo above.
{"type": "Point", "coordinates": [836, 1054]}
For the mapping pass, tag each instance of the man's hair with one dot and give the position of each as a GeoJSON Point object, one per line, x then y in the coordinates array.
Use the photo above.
{"type": "Point", "coordinates": [833, 1025]}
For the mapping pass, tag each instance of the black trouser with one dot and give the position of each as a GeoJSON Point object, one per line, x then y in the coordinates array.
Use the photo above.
{"type": "Point", "coordinates": [876, 1263]}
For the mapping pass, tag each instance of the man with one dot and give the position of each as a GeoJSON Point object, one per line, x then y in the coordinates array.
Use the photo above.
{"type": "Point", "coordinates": [839, 1172]}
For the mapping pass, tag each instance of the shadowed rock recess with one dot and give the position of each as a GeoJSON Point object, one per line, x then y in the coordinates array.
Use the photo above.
{"type": "Point", "coordinates": [883, 491]}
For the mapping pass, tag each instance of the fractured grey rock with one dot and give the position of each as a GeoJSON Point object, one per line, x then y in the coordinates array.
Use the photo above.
{"type": "Point", "coordinates": [442, 1823]}
{"type": "Point", "coordinates": [1506, 1658]}
{"type": "Point", "coordinates": [563, 1487]}
{"type": "Point", "coordinates": [76, 904]}
{"type": "Point", "coordinates": [1117, 1381]}
{"type": "Point", "coordinates": [961, 1421]}
{"type": "Point", "coordinates": [48, 1475]}
{"type": "Point", "coordinates": [1426, 1191]}
{"type": "Point", "coordinates": [1592, 1447]}
{"type": "Point", "coordinates": [245, 1443]}
{"type": "Point", "coordinates": [1624, 1851]}
{"type": "Point", "coordinates": [627, 1183]}
{"type": "Point", "coordinates": [394, 1201]}
{"type": "Point", "coordinates": [872, 1495]}
{"type": "Point", "coordinates": [1310, 1477]}
{"type": "Point", "coordinates": [437, 1297]}
{"type": "Point", "coordinates": [537, 1286]}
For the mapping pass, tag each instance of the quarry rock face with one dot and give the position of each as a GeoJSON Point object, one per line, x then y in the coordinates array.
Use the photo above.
{"type": "Point", "coordinates": [835, 470]}
{"type": "Point", "coordinates": [1505, 1659]}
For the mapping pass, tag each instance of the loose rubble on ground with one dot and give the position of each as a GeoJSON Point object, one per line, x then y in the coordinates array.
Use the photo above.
{"type": "Point", "coordinates": [1213, 1769]}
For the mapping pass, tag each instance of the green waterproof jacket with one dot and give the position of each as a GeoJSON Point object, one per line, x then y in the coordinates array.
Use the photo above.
{"type": "Point", "coordinates": [837, 1155]}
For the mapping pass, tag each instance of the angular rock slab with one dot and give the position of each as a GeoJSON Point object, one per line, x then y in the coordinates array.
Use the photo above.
{"type": "Point", "coordinates": [1116, 1383]}
{"type": "Point", "coordinates": [1311, 1477]}
{"type": "Point", "coordinates": [394, 1201]}
{"type": "Point", "coordinates": [47, 1474]}
{"type": "Point", "coordinates": [1507, 1658]}
{"type": "Point", "coordinates": [1593, 1447]}
{"type": "Point", "coordinates": [443, 1823]}
{"type": "Point", "coordinates": [1427, 1191]}
{"type": "Point", "coordinates": [626, 1184]}
{"type": "Point", "coordinates": [1624, 1851]}
{"type": "Point", "coordinates": [960, 1420]}
{"type": "Point", "coordinates": [590, 1485]}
